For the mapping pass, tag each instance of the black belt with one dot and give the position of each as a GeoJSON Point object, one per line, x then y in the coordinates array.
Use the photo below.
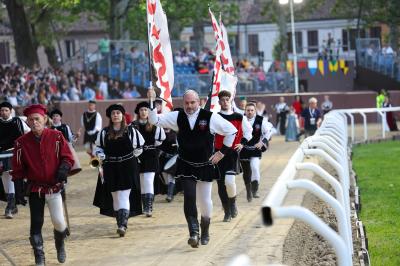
{"type": "Point", "coordinates": [111, 159]}
{"type": "Point", "coordinates": [194, 164]}
{"type": "Point", "coordinates": [149, 147]}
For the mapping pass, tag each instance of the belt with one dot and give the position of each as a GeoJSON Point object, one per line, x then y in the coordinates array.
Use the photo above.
{"type": "Point", "coordinates": [194, 164]}
{"type": "Point", "coordinates": [149, 147]}
{"type": "Point", "coordinates": [111, 159]}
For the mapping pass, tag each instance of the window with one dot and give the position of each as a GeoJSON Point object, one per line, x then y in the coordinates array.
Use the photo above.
{"type": "Point", "coordinates": [345, 38]}
{"type": "Point", "coordinates": [253, 44]}
{"type": "Point", "coordinates": [233, 43]}
{"type": "Point", "coordinates": [375, 32]}
{"type": "Point", "coordinates": [312, 39]}
{"type": "Point", "coordinates": [299, 42]}
{"type": "Point", "coordinates": [4, 52]}
{"type": "Point", "coordinates": [70, 48]}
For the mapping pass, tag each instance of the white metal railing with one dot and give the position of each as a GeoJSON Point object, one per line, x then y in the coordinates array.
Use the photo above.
{"type": "Point", "coordinates": [330, 143]}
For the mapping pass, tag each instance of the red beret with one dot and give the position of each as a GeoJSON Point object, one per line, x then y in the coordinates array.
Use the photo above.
{"type": "Point", "coordinates": [35, 109]}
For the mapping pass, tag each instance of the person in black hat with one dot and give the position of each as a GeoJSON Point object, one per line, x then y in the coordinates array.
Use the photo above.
{"type": "Point", "coordinates": [56, 117]}
{"type": "Point", "coordinates": [11, 128]}
{"type": "Point", "coordinates": [149, 161]}
{"type": "Point", "coordinates": [118, 189]}
{"type": "Point", "coordinates": [92, 122]}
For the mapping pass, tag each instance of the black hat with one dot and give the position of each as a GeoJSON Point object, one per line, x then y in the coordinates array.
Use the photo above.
{"type": "Point", "coordinates": [92, 101]}
{"type": "Point", "coordinates": [158, 101]}
{"type": "Point", "coordinates": [6, 104]}
{"type": "Point", "coordinates": [140, 105]}
{"type": "Point", "coordinates": [114, 107]}
{"type": "Point", "coordinates": [56, 112]}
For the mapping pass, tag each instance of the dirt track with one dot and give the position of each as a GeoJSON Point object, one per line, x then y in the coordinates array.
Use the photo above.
{"type": "Point", "coordinates": [160, 240]}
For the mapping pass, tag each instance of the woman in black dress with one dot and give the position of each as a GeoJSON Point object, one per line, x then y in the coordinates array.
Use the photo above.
{"type": "Point", "coordinates": [118, 189]}
{"type": "Point", "coordinates": [149, 163]}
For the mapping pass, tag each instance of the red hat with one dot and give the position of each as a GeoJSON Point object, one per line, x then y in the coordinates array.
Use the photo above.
{"type": "Point", "coordinates": [35, 109]}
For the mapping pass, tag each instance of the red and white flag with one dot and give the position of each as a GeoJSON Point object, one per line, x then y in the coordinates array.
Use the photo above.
{"type": "Point", "coordinates": [160, 50]}
{"type": "Point", "coordinates": [224, 78]}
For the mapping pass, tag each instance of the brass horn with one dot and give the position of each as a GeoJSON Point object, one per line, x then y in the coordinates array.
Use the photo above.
{"type": "Point", "coordinates": [95, 162]}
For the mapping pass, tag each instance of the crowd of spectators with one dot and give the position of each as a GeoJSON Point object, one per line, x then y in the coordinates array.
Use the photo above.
{"type": "Point", "coordinates": [21, 86]}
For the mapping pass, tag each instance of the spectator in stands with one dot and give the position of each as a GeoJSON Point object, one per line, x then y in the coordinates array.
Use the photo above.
{"type": "Point", "coordinates": [104, 46]}
{"type": "Point", "coordinates": [327, 105]}
{"type": "Point", "coordinates": [99, 95]}
{"type": "Point", "coordinates": [312, 117]}
{"type": "Point", "coordinates": [387, 50]}
{"type": "Point", "coordinates": [88, 94]}
{"type": "Point", "coordinates": [115, 92]}
{"type": "Point", "coordinates": [103, 86]}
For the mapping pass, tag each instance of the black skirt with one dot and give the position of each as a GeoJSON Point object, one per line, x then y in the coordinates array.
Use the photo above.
{"type": "Point", "coordinates": [121, 175]}
{"type": "Point", "coordinates": [229, 164]}
{"type": "Point", "coordinates": [149, 161]}
{"type": "Point", "coordinates": [247, 153]}
{"type": "Point", "coordinates": [89, 138]}
{"type": "Point", "coordinates": [206, 173]}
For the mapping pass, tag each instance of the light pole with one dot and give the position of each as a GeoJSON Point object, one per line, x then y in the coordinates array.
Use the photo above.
{"type": "Point", "coordinates": [296, 76]}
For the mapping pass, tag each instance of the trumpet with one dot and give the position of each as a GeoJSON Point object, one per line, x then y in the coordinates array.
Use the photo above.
{"type": "Point", "coordinates": [95, 162]}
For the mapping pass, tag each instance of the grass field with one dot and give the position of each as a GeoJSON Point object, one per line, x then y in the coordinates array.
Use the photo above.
{"type": "Point", "coordinates": [378, 170]}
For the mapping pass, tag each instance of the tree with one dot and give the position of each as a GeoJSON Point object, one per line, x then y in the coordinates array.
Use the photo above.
{"type": "Point", "coordinates": [23, 39]}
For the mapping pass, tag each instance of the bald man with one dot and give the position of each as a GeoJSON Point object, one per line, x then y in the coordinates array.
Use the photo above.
{"type": "Point", "coordinates": [197, 160]}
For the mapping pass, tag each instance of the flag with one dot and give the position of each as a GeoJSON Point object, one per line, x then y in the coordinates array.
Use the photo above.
{"type": "Point", "coordinates": [289, 66]}
{"type": "Point", "coordinates": [160, 51]}
{"type": "Point", "coordinates": [344, 66]}
{"type": "Point", "coordinates": [333, 66]}
{"type": "Point", "coordinates": [302, 66]}
{"type": "Point", "coordinates": [313, 66]}
{"type": "Point", "coordinates": [223, 74]}
{"type": "Point", "coordinates": [321, 67]}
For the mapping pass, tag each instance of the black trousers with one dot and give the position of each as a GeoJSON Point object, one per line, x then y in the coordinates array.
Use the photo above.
{"type": "Point", "coordinates": [246, 171]}
{"type": "Point", "coordinates": [36, 207]}
{"type": "Point", "coordinates": [189, 197]}
{"type": "Point", "coordinates": [281, 119]}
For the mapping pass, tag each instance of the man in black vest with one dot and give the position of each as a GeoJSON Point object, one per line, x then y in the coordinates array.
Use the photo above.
{"type": "Point", "coordinates": [11, 128]}
{"type": "Point", "coordinates": [196, 164]}
{"type": "Point", "coordinates": [251, 153]}
{"type": "Point", "coordinates": [92, 122]}
{"type": "Point", "coordinates": [56, 116]}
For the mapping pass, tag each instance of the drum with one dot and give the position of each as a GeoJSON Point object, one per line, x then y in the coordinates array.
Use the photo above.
{"type": "Point", "coordinates": [170, 166]}
{"type": "Point", "coordinates": [76, 168]}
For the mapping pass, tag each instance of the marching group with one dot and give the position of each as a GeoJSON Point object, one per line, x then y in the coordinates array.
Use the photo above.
{"type": "Point", "coordinates": [37, 160]}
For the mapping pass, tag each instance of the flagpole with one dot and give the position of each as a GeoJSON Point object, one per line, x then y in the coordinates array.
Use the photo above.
{"type": "Point", "coordinates": [149, 50]}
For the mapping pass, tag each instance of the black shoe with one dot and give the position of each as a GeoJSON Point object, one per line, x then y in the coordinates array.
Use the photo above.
{"type": "Point", "coordinates": [232, 207]}
{"type": "Point", "coordinates": [227, 212]}
{"type": "Point", "coordinates": [11, 207]}
{"type": "Point", "coordinates": [248, 193]}
{"type": "Point", "coordinates": [149, 199]}
{"type": "Point", "coordinates": [205, 225]}
{"type": "Point", "coordinates": [143, 203]}
{"type": "Point", "coordinates": [170, 193]}
{"type": "Point", "coordinates": [122, 221]}
{"type": "Point", "coordinates": [37, 245]}
{"type": "Point", "coordinates": [193, 225]}
{"type": "Point", "coordinates": [254, 189]}
{"type": "Point", "coordinates": [60, 246]}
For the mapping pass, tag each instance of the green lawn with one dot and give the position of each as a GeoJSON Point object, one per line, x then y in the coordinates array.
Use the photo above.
{"type": "Point", "coordinates": [378, 170]}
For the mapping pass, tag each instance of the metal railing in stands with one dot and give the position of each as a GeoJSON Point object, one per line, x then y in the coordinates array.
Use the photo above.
{"type": "Point", "coordinates": [330, 142]}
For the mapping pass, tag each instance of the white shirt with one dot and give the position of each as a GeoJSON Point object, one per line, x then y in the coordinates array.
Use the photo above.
{"type": "Point", "coordinates": [103, 87]}
{"type": "Point", "coordinates": [267, 129]}
{"type": "Point", "coordinates": [24, 125]}
{"type": "Point", "coordinates": [281, 107]}
{"type": "Point", "coordinates": [97, 126]}
{"type": "Point", "coordinates": [218, 125]}
{"type": "Point", "coordinates": [247, 129]}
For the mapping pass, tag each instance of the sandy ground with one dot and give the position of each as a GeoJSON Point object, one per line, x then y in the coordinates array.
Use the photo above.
{"type": "Point", "coordinates": [162, 239]}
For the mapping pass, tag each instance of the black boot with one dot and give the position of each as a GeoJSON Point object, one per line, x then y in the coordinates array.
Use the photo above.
{"type": "Point", "coordinates": [205, 225]}
{"type": "Point", "coordinates": [143, 203]}
{"type": "Point", "coordinates": [254, 189]}
{"type": "Point", "coordinates": [11, 207]}
{"type": "Point", "coordinates": [248, 192]}
{"type": "Point", "coordinates": [232, 207]}
{"type": "Point", "coordinates": [193, 225]}
{"type": "Point", "coordinates": [122, 221]}
{"type": "Point", "coordinates": [170, 193]}
{"type": "Point", "coordinates": [37, 245]}
{"type": "Point", "coordinates": [60, 246]}
{"type": "Point", "coordinates": [227, 211]}
{"type": "Point", "coordinates": [149, 198]}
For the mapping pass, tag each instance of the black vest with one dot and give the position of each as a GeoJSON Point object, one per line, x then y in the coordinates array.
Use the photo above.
{"type": "Point", "coordinates": [63, 129]}
{"type": "Point", "coordinates": [9, 132]}
{"type": "Point", "coordinates": [147, 135]}
{"type": "Point", "coordinates": [256, 131]}
{"type": "Point", "coordinates": [89, 120]}
{"type": "Point", "coordinates": [195, 145]}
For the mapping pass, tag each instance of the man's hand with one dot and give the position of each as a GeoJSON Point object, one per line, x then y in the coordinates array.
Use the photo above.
{"type": "Point", "coordinates": [259, 145]}
{"type": "Point", "coordinates": [238, 147]}
{"type": "Point", "coordinates": [216, 157]}
{"type": "Point", "coordinates": [151, 94]}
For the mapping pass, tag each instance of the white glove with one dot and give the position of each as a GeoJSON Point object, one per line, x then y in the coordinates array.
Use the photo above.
{"type": "Point", "coordinates": [101, 156]}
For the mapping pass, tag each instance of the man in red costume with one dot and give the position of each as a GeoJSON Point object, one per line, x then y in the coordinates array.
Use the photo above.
{"type": "Point", "coordinates": [44, 158]}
